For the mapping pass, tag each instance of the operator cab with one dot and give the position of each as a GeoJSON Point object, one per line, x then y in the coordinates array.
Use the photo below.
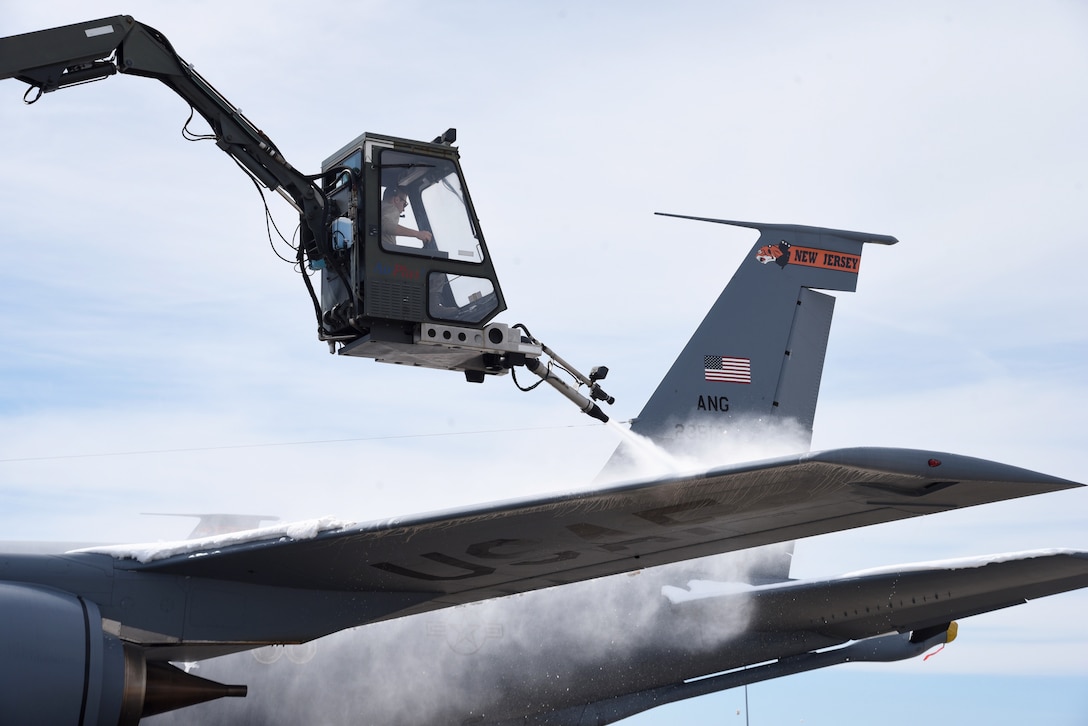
{"type": "Point", "coordinates": [403, 247]}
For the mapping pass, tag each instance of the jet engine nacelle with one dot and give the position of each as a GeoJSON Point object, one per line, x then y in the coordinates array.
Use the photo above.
{"type": "Point", "coordinates": [58, 666]}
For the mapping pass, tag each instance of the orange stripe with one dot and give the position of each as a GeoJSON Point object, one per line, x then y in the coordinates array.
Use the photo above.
{"type": "Point", "coordinates": [824, 259]}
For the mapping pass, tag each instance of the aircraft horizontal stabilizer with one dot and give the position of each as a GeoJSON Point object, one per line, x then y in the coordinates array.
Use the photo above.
{"type": "Point", "coordinates": [498, 549]}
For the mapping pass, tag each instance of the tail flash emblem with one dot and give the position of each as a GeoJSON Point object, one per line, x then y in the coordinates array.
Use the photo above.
{"type": "Point", "coordinates": [778, 254]}
{"type": "Point", "coordinates": [725, 369]}
{"type": "Point", "coordinates": [783, 254]}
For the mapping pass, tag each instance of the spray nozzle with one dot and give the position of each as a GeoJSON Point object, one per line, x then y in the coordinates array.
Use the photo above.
{"type": "Point", "coordinates": [598, 373]}
{"type": "Point", "coordinates": [587, 406]}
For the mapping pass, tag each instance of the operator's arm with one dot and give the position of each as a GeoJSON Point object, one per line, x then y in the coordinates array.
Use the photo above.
{"type": "Point", "coordinates": [422, 235]}
{"type": "Point", "coordinates": [392, 228]}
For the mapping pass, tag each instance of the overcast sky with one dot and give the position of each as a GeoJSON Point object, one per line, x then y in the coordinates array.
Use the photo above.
{"type": "Point", "coordinates": [158, 357]}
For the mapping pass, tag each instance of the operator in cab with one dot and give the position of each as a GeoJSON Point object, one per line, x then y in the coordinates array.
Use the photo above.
{"type": "Point", "coordinates": [394, 202]}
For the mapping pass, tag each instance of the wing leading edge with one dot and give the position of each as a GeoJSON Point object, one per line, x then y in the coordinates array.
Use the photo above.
{"type": "Point", "coordinates": [512, 547]}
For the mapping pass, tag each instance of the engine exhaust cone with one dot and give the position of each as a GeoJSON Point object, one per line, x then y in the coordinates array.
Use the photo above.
{"type": "Point", "coordinates": [169, 688]}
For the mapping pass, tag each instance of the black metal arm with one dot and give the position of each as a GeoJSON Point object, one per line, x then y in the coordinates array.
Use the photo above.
{"type": "Point", "coordinates": [51, 59]}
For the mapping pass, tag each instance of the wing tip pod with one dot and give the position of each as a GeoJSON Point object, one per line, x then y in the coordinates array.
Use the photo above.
{"type": "Point", "coordinates": [943, 467]}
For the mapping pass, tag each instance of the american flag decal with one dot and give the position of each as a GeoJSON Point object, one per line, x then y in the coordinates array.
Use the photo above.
{"type": "Point", "coordinates": [724, 369]}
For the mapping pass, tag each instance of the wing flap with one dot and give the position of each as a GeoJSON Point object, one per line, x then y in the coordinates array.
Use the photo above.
{"type": "Point", "coordinates": [505, 548]}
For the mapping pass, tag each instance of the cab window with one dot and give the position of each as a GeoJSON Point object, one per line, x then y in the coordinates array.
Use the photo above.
{"type": "Point", "coordinates": [423, 208]}
{"type": "Point", "coordinates": [460, 298]}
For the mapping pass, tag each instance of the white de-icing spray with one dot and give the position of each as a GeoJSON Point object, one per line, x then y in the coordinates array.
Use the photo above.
{"type": "Point", "coordinates": [648, 457]}
{"type": "Point", "coordinates": [519, 654]}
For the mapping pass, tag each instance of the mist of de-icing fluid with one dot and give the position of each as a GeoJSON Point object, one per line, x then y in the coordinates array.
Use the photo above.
{"type": "Point", "coordinates": [518, 655]}
{"type": "Point", "coordinates": [746, 439]}
{"type": "Point", "coordinates": [647, 457]}
{"type": "Point", "coordinates": [499, 658]}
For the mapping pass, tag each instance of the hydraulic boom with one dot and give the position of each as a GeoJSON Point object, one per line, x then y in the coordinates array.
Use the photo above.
{"type": "Point", "coordinates": [388, 226]}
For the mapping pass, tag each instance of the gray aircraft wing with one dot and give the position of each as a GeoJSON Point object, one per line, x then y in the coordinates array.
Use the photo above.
{"type": "Point", "coordinates": [903, 598]}
{"type": "Point", "coordinates": [651, 642]}
{"type": "Point", "coordinates": [472, 554]}
{"type": "Point", "coordinates": [882, 615]}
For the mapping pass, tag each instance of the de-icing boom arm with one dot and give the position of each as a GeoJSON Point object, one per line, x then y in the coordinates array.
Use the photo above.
{"type": "Point", "coordinates": [59, 57]}
{"type": "Point", "coordinates": [47, 60]}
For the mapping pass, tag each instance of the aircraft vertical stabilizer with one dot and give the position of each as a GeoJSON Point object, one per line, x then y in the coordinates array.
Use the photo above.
{"type": "Point", "coordinates": [765, 366]}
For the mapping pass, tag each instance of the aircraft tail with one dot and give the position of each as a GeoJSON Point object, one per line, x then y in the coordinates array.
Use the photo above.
{"type": "Point", "coordinates": [755, 362]}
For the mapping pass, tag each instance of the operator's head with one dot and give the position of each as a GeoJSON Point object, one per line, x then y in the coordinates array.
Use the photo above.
{"type": "Point", "coordinates": [396, 195]}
